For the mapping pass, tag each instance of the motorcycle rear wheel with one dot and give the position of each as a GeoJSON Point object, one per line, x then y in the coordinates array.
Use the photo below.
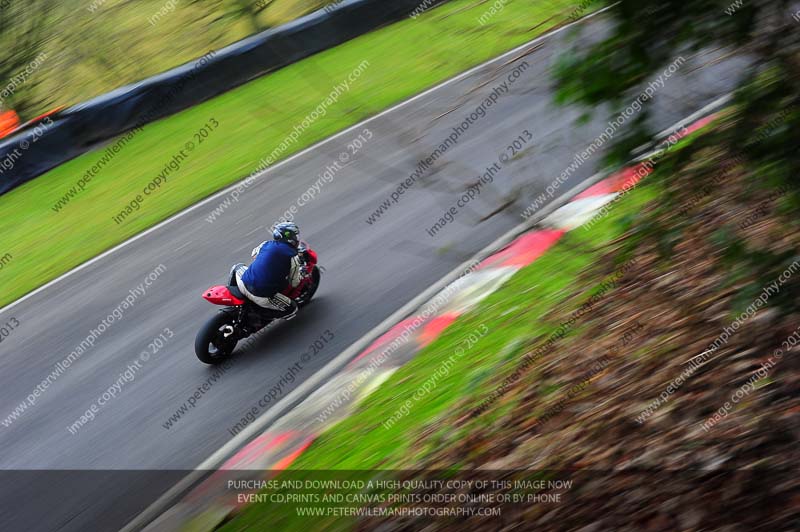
{"type": "Point", "coordinates": [211, 346]}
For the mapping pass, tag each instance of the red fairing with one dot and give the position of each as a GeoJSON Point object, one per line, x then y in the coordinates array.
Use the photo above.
{"type": "Point", "coordinates": [220, 295]}
{"type": "Point", "coordinates": [312, 258]}
{"type": "Point", "coordinates": [295, 292]}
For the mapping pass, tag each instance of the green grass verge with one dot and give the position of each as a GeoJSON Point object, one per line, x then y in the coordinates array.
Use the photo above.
{"type": "Point", "coordinates": [404, 59]}
{"type": "Point", "coordinates": [514, 318]}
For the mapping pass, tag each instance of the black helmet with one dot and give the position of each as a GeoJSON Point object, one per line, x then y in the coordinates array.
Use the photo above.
{"type": "Point", "coordinates": [287, 232]}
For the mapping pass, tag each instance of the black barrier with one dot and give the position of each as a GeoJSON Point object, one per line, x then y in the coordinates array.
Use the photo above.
{"type": "Point", "coordinates": [78, 129]}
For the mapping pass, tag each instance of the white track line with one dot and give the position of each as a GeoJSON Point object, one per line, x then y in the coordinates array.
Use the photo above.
{"type": "Point", "coordinates": [705, 110]}
{"type": "Point", "coordinates": [296, 156]}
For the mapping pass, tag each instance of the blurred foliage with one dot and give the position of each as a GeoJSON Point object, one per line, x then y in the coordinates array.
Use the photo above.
{"type": "Point", "coordinates": [21, 35]}
{"type": "Point", "coordinates": [761, 131]}
{"type": "Point", "coordinates": [237, 10]}
{"type": "Point", "coordinates": [95, 46]}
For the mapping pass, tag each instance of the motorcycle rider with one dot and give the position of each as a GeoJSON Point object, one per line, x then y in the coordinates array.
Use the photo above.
{"type": "Point", "coordinates": [277, 264]}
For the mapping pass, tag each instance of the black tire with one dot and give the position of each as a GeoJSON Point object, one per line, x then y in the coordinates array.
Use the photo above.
{"type": "Point", "coordinates": [308, 293]}
{"type": "Point", "coordinates": [210, 346]}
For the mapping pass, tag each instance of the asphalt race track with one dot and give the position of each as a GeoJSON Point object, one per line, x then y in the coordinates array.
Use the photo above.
{"type": "Point", "coordinates": [370, 271]}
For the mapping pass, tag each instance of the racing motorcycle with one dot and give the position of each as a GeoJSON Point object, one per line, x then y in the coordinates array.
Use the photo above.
{"type": "Point", "coordinates": [240, 317]}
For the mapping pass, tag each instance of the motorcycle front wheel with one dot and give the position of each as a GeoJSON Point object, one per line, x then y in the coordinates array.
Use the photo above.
{"type": "Point", "coordinates": [305, 297]}
{"type": "Point", "coordinates": [211, 345]}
